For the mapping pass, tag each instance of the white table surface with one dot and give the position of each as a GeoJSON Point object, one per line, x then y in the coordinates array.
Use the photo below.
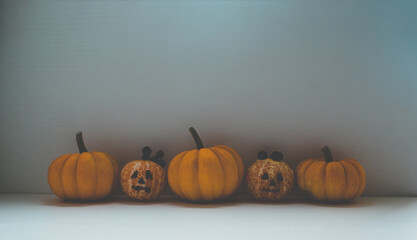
{"type": "Point", "coordinates": [43, 216]}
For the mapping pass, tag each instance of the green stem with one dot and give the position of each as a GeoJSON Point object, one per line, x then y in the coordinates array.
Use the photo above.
{"type": "Point", "coordinates": [327, 154]}
{"type": "Point", "coordinates": [80, 142]}
{"type": "Point", "coordinates": [197, 138]}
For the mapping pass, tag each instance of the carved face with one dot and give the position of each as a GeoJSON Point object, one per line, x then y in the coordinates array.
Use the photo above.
{"type": "Point", "coordinates": [270, 180]}
{"type": "Point", "coordinates": [143, 180]}
{"type": "Point", "coordinates": [273, 180]}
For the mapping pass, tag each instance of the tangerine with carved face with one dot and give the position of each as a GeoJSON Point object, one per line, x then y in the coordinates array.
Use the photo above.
{"type": "Point", "coordinates": [144, 179]}
{"type": "Point", "coordinates": [268, 178]}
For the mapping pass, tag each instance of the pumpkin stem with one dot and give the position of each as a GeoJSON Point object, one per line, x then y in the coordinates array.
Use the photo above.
{"type": "Point", "coordinates": [327, 154]}
{"type": "Point", "coordinates": [80, 142]}
{"type": "Point", "coordinates": [197, 138]}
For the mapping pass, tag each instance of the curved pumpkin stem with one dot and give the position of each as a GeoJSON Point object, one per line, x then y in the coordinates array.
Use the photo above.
{"type": "Point", "coordinates": [80, 142]}
{"type": "Point", "coordinates": [327, 154]}
{"type": "Point", "coordinates": [197, 138]}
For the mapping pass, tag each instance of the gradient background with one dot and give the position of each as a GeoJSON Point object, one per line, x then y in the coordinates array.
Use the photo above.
{"type": "Point", "coordinates": [285, 75]}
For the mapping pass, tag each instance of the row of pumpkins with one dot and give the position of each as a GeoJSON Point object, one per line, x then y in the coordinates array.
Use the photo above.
{"type": "Point", "coordinates": [202, 174]}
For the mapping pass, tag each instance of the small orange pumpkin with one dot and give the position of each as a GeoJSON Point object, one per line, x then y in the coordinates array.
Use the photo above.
{"type": "Point", "coordinates": [329, 180]}
{"type": "Point", "coordinates": [270, 179]}
{"type": "Point", "coordinates": [83, 176]}
{"type": "Point", "coordinates": [205, 174]}
{"type": "Point", "coordinates": [144, 179]}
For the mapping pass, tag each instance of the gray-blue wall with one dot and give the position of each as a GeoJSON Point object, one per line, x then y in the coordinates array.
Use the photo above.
{"type": "Point", "coordinates": [285, 75]}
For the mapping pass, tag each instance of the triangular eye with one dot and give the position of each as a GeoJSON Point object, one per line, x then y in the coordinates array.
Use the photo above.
{"type": "Point", "coordinates": [265, 176]}
{"type": "Point", "coordinates": [135, 174]}
{"type": "Point", "coordinates": [279, 177]}
{"type": "Point", "coordinates": [148, 175]}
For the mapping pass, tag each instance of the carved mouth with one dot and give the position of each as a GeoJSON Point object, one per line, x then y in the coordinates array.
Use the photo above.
{"type": "Point", "coordinates": [271, 190]}
{"type": "Point", "coordinates": [139, 188]}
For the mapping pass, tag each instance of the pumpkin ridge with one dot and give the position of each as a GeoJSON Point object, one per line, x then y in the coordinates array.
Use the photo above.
{"type": "Point", "coordinates": [197, 168]}
{"type": "Point", "coordinates": [214, 184]}
{"type": "Point", "coordinates": [75, 176]}
{"type": "Point", "coordinates": [95, 169]}
{"type": "Point", "coordinates": [192, 186]}
{"type": "Point", "coordinates": [305, 173]}
{"type": "Point", "coordinates": [362, 175]}
{"type": "Point", "coordinates": [356, 172]}
{"type": "Point", "coordinates": [359, 192]}
{"type": "Point", "coordinates": [238, 161]}
{"type": "Point", "coordinates": [223, 170]}
{"type": "Point", "coordinates": [346, 180]}
{"type": "Point", "coordinates": [173, 168]}
{"type": "Point", "coordinates": [324, 181]}
{"type": "Point", "coordinates": [179, 189]}
{"type": "Point", "coordinates": [334, 184]}
{"type": "Point", "coordinates": [319, 187]}
{"type": "Point", "coordinates": [300, 173]}
{"type": "Point", "coordinates": [103, 164]}
{"type": "Point", "coordinates": [196, 176]}
{"type": "Point", "coordinates": [65, 187]}
{"type": "Point", "coordinates": [60, 176]}
{"type": "Point", "coordinates": [54, 176]}
{"type": "Point", "coordinates": [115, 170]}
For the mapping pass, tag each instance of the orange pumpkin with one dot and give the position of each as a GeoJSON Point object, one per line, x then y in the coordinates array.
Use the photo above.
{"type": "Point", "coordinates": [331, 180]}
{"type": "Point", "coordinates": [144, 179]}
{"type": "Point", "coordinates": [205, 174]}
{"type": "Point", "coordinates": [83, 176]}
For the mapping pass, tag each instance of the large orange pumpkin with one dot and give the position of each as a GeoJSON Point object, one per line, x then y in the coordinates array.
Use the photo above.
{"type": "Point", "coordinates": [83, 176]}
{"type": "Point", "coordinates": [331, 180]}
{"type": "Point", "coordinates": [205, 174]}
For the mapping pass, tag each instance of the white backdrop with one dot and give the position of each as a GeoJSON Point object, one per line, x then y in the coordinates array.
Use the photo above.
{"type": "Point", "coordinates": [285, 75]}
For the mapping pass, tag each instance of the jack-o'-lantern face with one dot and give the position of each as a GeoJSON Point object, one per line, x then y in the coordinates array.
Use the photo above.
{"type": "Point", "coordinates": [268, 178]}
{"type": "Point", "coordinates": [144, 179]}
{"type": "Point", "coordinates": [272, 181]}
